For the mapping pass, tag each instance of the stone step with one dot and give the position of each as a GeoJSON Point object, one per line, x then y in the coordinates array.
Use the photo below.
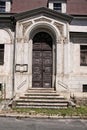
{"type": "Point", "coordinates": [42, 104]}
{"type": "Point", "coordinates": [41, 101]}
{"type": "Point", "coordinates": [42, 97]}
{"type": "Point", "coordinates": [41, 90]}
{"type": "Point", "coordinates": [47, 107]}
{"type": "Point", "coordinates": [41, 94]}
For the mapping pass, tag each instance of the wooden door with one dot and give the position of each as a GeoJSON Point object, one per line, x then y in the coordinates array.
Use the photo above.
{"type": "Point", "coordinates": [42, 65]}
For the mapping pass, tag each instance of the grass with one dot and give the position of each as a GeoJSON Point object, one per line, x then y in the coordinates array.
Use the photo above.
{"type": "Point", "coordinates": [81, 111]}
{"type": "Point", "coordinates": [1, 99]}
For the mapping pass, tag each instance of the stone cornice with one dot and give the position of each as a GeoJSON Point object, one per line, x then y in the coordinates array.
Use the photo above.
{"type": "Point", "coordinates": [45, 12]}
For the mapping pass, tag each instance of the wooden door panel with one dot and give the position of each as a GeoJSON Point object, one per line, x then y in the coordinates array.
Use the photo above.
{"type": "Point", "coordinates": [37, 77]}
{"type": "Point", "coordinates": [45, 46]}
{"type": "Point", "coordinates": [47, 54]}
{"type": "Point", "coordinates": [37, 54]}
{"type": "Point", "coordinates": [37, 46]}
{"type": "Point", "coordinates": [42, 66]}
{"type": "Point", "coordinates": [46, 77]}
{"type": "Point", "coordinates": [36, 70]}
{"type": "Point", "coordinates": [37, 62]}
{"type": "Point", "coordinates": [47, 62]}
{"type": "Point", "coordinates": [47, 84]}
{"type": "Point", "coordinates": [47, 69]}
{"type": "Point", "coordinates": [37, 84]}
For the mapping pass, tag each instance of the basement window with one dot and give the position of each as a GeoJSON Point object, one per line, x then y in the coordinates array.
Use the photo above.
{"type": "Point", "coordinates": [85, 88]}
{"type": "Point", "coordinates": [83, 55]}
{"type": "Point", "coordinates": [1, 54]}
{"type": "Point", "coordinates": [0, 87]}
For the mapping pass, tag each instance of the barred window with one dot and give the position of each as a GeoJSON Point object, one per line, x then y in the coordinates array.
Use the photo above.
{"type": "Point", "coordinates": [83, 55]}
{"type": "Point", "coordinates": [2, 6]}
{"type": "Point", "coordinates": [57, 7]}
{"type": "Point", "coordinates": [1, 54]}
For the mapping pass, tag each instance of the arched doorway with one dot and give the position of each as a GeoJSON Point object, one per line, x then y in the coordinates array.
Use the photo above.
{"type": "Point", "coordinates": [42, 61]}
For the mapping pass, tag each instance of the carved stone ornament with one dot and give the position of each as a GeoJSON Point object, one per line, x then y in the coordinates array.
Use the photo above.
{"type": "Point", "coordinates": [43, 19]}
{"type": "Point", "coordinates": [59, 40]}
{"type": "Point", "coordinates": [19, 40]}
{"type": "Point", "coordinates": [65, 40]}
{"type": "Point", "coordinates": [60, 27]}
{"type": "Point", "coordinates": [26, 39]}
{"type": "Point", "coordinates": [26, 25]}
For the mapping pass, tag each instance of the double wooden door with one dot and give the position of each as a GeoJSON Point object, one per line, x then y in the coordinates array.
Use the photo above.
{"type": "Point", "coordinates": [42, 65]}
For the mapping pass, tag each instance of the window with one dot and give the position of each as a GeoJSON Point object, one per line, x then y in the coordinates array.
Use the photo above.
{"type": "Point", "coordinates": [1, 54]}
{"type": "Point", "coordinates": [85, 88]}
{"type": "Point", "coordinates": [57, 7]}
{"type": "Point", "coordinates": [2, 6]}
{"type": "Point", "coordinates": [83, 55]}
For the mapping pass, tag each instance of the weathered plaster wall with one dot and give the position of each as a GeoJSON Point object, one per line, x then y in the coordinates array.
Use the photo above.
{"type": "Point", "coordinates": [6, 38]}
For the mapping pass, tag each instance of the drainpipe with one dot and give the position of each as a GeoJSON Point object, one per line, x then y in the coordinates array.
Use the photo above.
{"type": "Point", "coordinates": [14, 45]}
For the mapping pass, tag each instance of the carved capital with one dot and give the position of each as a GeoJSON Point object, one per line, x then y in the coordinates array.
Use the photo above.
{"type": "Point", "coordinates": [26, 40]}
{"type": "Point", "coordinates": [59, 40]}
{"type": "Point", "coordinates": [19, 40]}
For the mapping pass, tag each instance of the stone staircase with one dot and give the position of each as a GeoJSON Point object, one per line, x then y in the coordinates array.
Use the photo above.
{"type": "Point", "coordinates": [41, 98]}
